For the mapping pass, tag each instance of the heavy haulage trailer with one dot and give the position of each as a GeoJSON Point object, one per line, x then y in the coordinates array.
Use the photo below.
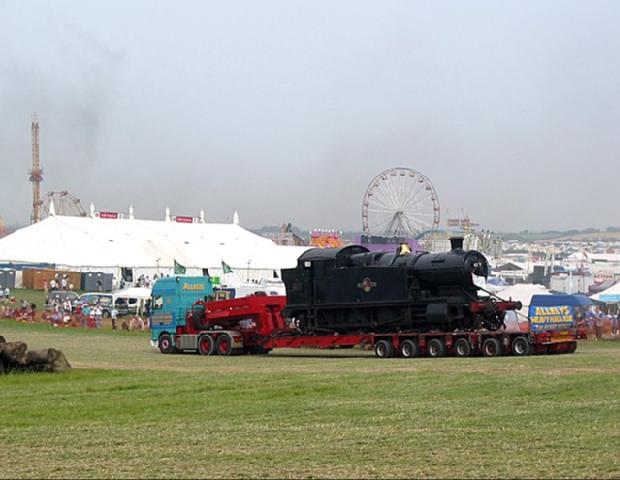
{"type": "Point", "coordinates": [400, 304]}
{"type": "Point", "coordinates": [255, 325]}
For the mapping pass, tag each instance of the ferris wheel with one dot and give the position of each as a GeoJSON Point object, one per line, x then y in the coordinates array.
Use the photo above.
{"type": "Point", "coordinates": [400, 202]}
{"type": "Point", "coordinates": [63, 203]}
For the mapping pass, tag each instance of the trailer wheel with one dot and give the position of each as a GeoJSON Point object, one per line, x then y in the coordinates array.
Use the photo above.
{"type": "Point", "coordinates": [384, 349]}
{"type": "Point", "coordinates": [436, 348]}
{"type": "Point", "coordinates": [206, 344]}
{"type": "Point", "coordinates": [165, 343]}
{"type": "Point", "coordinates": [492, 347]}
{"type": "Point", "coordinates": [462, 347]}
{"type": "Point", "coordinates": [521, 346]}
{"type": "Point", "coordinates": [224, 344]}
{"type": "Point", "coordinates": [409, 349]}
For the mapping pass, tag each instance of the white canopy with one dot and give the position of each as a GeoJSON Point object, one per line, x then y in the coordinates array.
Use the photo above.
{"type": "Point", "coordinates": [86, 243]}
{"type": "Point", "coordinates": [522, 292]}
{"type": "Point", "coordinates": [610, 295]}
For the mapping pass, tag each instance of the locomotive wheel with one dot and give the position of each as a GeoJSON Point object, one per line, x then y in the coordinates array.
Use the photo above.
{"type": "Point", "coordinates": [492, 347]}
{"type": "Point", "coordinates": [521, 346]}
{"type": "Point", "coordinates": [436, 348]}
{"type": "Point", "coordinates": [224, 344]}
{"type": "Point", "coordinates": [206, 345]}
{"type": "Point", "coordinates": [384, 349]}
{"type": "Point", "coordinates": [165, 343]}
{"type": "Point", "coordinates": [409, 349]}
{"type": "Point", "coordinates": [462, 348]}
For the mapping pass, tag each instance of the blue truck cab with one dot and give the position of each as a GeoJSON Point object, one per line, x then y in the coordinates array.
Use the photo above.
{"type": "Point", "coordinates": [171, 299]}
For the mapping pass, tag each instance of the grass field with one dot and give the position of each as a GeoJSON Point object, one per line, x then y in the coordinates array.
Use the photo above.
{"type": "Point", "coordinates": [38, 297]}
{"type": "Point", "coordinates": [128, 411]}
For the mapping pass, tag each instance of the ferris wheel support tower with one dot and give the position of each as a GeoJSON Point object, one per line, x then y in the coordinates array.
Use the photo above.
{"type": "Point", "coordinates": [36, 174]}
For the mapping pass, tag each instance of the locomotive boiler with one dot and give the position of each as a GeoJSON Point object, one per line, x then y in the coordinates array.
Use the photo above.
{"type": "Point", "coordinates": [351, 290]}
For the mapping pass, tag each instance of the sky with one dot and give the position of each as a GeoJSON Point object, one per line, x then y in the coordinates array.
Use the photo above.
{"type": "Point", "coordinates": [285, 110]}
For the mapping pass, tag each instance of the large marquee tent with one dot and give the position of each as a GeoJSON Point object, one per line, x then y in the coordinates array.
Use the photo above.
{"type": "Point", "coordinates": [145, 247]}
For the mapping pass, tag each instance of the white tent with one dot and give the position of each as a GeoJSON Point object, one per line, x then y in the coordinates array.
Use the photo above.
{"type": "Point", "coordinates": [146, 247]}
{"type": "Point", "coordinates": [610, 295]}
{"type": "Point", "coordinates": [522, 292]}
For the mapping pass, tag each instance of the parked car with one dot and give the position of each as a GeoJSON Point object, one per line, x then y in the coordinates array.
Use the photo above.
{"type": "Point", "coordinates": [105, 301]}
{"type": "Point", "coordinates": [59, 297]}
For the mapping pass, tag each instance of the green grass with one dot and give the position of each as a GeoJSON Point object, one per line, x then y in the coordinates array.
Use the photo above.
{"type": "Point", "coordinates": [128, 411]}
{"type": "Point", "coordinates": [38, 297]}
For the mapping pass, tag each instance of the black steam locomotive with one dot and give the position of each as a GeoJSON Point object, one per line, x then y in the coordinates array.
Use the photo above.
{"type": "Point", "coordinates": [351, 290]}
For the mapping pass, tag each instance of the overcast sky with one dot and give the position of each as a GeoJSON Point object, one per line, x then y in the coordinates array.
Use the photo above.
{"type": "Point", "coordinates": [285, 110]}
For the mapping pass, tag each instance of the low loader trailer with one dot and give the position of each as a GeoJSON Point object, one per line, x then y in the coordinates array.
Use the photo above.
{"type": "Point", "coordinates": [255, 325]}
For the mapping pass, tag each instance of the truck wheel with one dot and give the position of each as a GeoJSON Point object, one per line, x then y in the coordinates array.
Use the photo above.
{"type": "Point", "coordinates": [409, 349]}
{"type": "Point", "coordinates": [572, 348]}
{"type": "Point", "coordinates": [165, 343]}
{"type": "Point", "coordinates": [436, 348]}
{"type": "Point", "coordinates": [205, 345]}
{"type": "Point", "coordinates": [384, 349]}
{"type": "Point", "coordinates": [492, 347]}
{"type": "Point", "coordinates": [224, 344]}
{"type": "Point", "coordinates": [462, 347]}
{"type": "Point", "coordinates": [520, 346]}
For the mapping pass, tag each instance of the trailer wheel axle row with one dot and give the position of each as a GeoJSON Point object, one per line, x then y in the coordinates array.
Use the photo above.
{"type": "Point", "coordinates": [437, 347]}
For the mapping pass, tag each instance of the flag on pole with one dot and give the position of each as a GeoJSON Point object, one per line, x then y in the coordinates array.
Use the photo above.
{"type": "Point", "coordinates": [178, 268]}
{"type": "Point", "coordinates": [225, 267]}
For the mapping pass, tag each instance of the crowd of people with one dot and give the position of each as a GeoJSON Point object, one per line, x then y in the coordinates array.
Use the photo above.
{"type": "Point", "coordinates": [59, 282]}
{"type": "Point", "coordinates": [87, 315]}
{"type": "Point", "coordinates": [12, 308]}
{"type": "Point", "coordinates": [66, 314]}
{"type": "Point", "coordinates": [599, 324]}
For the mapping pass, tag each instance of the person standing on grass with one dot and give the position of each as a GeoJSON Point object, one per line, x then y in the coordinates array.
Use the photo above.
{"type": "Point", "coordinates": [91, 317]}
{"type": "Point", "coordinates": [97, 312]}
{"type": "Point", "coordinates": [598, 324]}
{"type": "Point", "coordinates": [113, 316]}
{"type": "Point", "coordinates": [85, 315]}
{"type": "Point", "coordinates": [67, 307]}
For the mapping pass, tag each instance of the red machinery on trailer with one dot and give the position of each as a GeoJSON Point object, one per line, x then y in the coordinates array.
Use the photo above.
{"type": "Point", "coordinates": [255, 324]}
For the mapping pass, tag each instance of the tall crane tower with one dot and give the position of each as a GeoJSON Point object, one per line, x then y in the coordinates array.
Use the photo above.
{"type": "Point", "coordinates": [36, 174]}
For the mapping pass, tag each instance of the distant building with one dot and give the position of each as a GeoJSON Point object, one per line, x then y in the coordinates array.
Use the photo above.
{"type": "Point", "coordinates": [326, 239]}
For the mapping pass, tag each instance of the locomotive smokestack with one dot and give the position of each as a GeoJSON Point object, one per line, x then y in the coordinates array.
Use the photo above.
{"type": "Point", "coordinates": [456, 243]}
